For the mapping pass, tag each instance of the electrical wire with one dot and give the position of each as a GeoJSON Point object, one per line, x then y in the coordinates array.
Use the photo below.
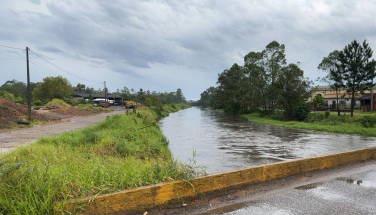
{"type": "Point", "coordinates": [46, 69]}
{"type": "Point", "coordinates": [11, 47]}
{"type": "Point", "coordinates": [63, 69]}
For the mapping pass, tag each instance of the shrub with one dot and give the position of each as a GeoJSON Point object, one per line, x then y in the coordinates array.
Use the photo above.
{"type": "Point", "coordinates": [6, 95]}
{"type": "Point", "coordinates": [278, 115]}
{"type": "Point", "coordinates": [327, 114]}
{"type": "Point", "coordinates": [315, 117]}
{"type": "Point", "coordinates": [301, 111]}
{"type": "Point", "coordinates": [368, 121]}
{"type": "Point", "coordinates": [38, 103]}
{"type": "Point", "coordinates": [56, 103]}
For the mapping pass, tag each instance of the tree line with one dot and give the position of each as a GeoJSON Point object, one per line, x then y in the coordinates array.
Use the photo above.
{"type": "Point", "coordinates": [59, 87]}
{"type": "Point", "coordinates": [266, 83]}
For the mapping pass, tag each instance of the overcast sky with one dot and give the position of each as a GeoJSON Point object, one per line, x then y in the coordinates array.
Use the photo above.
{"type": "Point", "coordinates": [165, 45]}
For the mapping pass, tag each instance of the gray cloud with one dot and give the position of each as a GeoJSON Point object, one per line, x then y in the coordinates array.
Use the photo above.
{"type": "Point", "coordinates": [189, 38]}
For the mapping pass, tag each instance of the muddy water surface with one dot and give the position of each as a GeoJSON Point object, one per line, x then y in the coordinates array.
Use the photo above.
{"type": "Point", "coordinates": [225, 142]}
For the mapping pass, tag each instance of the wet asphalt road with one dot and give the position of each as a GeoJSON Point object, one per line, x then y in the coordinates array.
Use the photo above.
{"type": "Point", "coordinates": [349, 189]}
{"type": "Point", "coordinates": [349, 193]}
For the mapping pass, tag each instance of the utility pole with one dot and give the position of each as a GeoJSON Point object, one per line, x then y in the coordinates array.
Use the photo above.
{"type": "Point", "coordinates": [105, 92]}
{"type": "Point", "coordinates": [372, 96]}
{"type": "Point", "coordinates": [28, 85]}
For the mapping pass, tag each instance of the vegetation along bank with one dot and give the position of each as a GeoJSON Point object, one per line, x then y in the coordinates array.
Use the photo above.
{"type": "Point", "coordinates": [124, 151]}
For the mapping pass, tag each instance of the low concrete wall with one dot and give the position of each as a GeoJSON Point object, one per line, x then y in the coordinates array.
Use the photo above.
{"type": "Point", "coordinates": [147, 197]}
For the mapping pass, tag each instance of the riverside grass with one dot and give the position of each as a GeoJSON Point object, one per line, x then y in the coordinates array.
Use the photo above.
{"type": "Point", "coordinates": [122, 152]}
{"type": "Point", "coordinates": [336, 124]}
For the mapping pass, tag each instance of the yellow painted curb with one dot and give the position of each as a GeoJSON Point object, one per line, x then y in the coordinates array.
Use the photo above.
{"type": "Point", "coordinates": [147, 197]}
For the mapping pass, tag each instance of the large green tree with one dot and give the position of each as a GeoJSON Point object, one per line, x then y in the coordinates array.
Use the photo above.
{"type": "Point", "coordinates": [258, 80]}
{"type": "Point", "coordinates": [296, 88]}
{"type": "Point", "coordinates": [18, 89]}
{"type": "Point", "coordinates": [232, 88]}
{"type": "Point", "coordinates": [208, 99]}
{"type": "Point", "coordinates": [179, 97]}
{"type": "Point", "coordinates": [275, 59]}
{"type": "Point", "coordinates": [357, 68]}
{"type": "Point", "coordinates": [53, 87]}
{"type": "Point", "coordinates": [334, 77]}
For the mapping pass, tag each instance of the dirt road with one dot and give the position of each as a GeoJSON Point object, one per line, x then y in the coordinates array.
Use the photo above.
{"type": "Point", "coordinates": [9, 140]}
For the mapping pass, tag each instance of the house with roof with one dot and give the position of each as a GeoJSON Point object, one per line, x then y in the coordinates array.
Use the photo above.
{"type": "Point", "coordinates": [362, 101]}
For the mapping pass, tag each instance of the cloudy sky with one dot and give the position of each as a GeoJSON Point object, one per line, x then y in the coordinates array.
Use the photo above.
{"type": "Point", "coordinates": [164, 45]}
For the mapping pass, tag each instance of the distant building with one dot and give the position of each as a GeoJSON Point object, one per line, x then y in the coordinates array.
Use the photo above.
{"type": "Point", "coordinates": [97, 97]}
{"type": "Point", "coordinates": [344, 99]}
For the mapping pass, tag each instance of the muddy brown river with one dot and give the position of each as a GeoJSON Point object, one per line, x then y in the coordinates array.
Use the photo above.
{"type": "Point", "coordinates": [225, 142]}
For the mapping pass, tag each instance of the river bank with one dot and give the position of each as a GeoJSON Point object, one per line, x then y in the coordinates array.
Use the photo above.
{"type": "Point", "coordinates": [344, 124]}
{"type": "Point", "coordinates": [124, 151]}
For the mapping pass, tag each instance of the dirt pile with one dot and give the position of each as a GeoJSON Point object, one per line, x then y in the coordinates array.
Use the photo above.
{"type": "Point", "coordinates": [10, 112]}
{"type": "Point", "coordinates": [73, 111]}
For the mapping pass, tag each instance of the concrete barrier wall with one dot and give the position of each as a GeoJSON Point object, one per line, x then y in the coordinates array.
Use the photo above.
{"type": "Point", "coordinates": [144, 198]}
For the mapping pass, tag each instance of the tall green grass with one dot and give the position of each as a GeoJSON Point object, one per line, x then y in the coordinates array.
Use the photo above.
{"type": "Point", "coordinates": [124, 151]}
{"type": "Point", "coordinates": [317, 121]}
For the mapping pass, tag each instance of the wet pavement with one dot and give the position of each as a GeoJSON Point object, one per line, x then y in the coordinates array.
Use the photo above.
{"type": "Point", "coordinates": [348, 189]}
{"type": "Point", "coordinates": [349, 193]}
{"type": "Point", "coordinates": [224, 142]}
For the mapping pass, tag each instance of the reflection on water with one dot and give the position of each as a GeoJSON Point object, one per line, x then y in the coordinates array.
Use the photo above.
{"type": "Point", "coordinates": [226, 142]}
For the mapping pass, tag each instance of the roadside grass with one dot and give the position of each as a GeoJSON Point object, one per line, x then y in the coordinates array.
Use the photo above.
{"type": "Point", "coordinates": [317, 121]}
{"type": "Point", "coordinates": [122, 152]}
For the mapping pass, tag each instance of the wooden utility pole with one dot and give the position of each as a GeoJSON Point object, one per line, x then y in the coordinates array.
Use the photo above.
{"type": "Point", "coordinates": [105, 92]}
{"type": "Point", "coordinates": [372, 96]}
{"type": "Point", "coordinates": [28, 85]}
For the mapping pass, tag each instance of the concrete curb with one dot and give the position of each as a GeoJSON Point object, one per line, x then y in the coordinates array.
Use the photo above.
{"type": "Point", "coordinates": [147, 197]}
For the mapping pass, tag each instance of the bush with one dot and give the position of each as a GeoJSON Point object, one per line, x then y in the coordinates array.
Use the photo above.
{"type": "Point", "coordinates": [6, 95]}
{"type": "Point", "coordinates": [56, 103]}
{"type": "Point", "coordinates": [38, 103]}
{"type": "Point", "coordinates": [327, 114]}
{"type": "Point", "coordinates": [368, 121]}
{"type": "Point", "coordinates": [301, 111]}
{"type": "Point", "coordinates": [315, 117]}
{"type": "Point", "coordinates": [278, 115]}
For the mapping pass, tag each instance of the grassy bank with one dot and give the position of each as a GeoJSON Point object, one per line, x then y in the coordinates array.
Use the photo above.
{"type": "Point", "coordinates": [124, 151]}
{"type": "Point", "coordinates": [319, 122]}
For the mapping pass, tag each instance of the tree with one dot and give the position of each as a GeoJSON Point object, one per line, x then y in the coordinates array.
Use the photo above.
{"type": "Point", "coordinates": [179, 97]}
{"type": "Point", "coordinates": [53, 87]}
{"type": "Point", "coordinates": [207, 98]}
{"type": "Point", "coordinates": [296, 89]}
{"type": "Point", "coordinates": [318, 100]}
{"type": "Point", "coordinates": [357, 69]}
{"type": "Point", "coordinates": [231, 89]}
{"type": "Point", "coordinates": [80, 88]}
{"type": "Point", "coordinates": [275, 59]}
{"type": "Point", "coordinates": [4, 94]}
{"type": "Point", "coordinates": [334, 77]}
{"type": "Point", "coordinates": [258, 79]}
{"type": "Point", "coordinates": [141, 95]}
{"type": "Point", "coordinates": [18, 89]}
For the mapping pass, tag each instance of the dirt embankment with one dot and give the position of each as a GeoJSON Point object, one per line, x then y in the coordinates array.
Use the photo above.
{"type": "Point", "coordinates": [73, 111]}
{"type": "Point", "coordinates": [10, 112]}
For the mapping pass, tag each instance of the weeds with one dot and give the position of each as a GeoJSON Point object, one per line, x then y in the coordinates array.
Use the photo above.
{"type": "Point", "coordinates": [362, 124]}
{"type": "Point", "coordinates": [110, 156]}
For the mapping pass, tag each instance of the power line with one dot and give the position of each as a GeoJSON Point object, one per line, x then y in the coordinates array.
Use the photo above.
{"type": "Point", "coordinates": [12, 59]}
{"type": "Point", "coordinates": [63, 69]}
{"type": "Point", "coordinates": [46, 69]}
{"type": "Point", "coordinates": [11, 47]}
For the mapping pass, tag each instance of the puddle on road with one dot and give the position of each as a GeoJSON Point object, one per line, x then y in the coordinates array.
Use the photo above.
{"type": "Point", "coordinates": [308, 186]}
{"type": "Point", "coordinates": [366, 180]}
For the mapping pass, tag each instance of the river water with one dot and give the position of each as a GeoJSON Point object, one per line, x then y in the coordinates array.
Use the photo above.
{"type": "Point", "coordinates": [225, 142]}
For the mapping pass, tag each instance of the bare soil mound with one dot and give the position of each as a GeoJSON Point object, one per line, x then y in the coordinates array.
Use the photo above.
{"type": "Point", "coordinates": [73, 111]}
{"type": "Point", "coordinates": [10, 112]}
